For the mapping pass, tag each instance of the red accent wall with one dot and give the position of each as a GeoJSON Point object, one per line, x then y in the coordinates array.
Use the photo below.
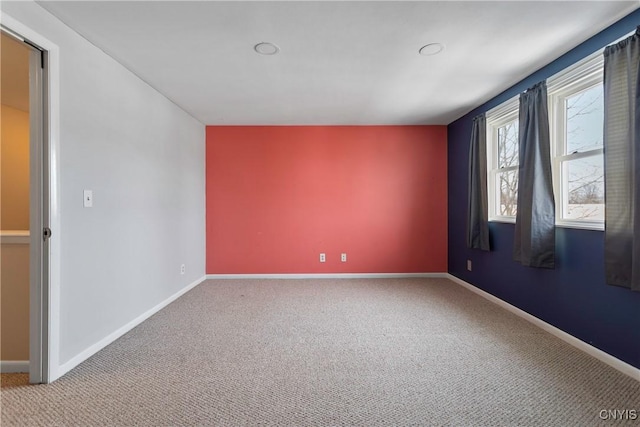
{"type": "Point", "coordinates": [278, 196]}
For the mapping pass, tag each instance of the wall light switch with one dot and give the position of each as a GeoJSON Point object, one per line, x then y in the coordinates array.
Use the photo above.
{"type": "Point", "coordinates": [88, 198]}
{"type": "Point", "coordinates": [469, 265]}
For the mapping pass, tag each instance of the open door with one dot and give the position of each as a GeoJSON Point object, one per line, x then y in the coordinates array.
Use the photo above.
{"type": "Point", "coordinates": [39, 217]}
{"type": "Point", "coordinates": [38, 199]}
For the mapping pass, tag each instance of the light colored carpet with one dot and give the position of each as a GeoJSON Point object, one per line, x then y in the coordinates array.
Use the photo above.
{"type": "Point", "coordinates": [13, 380]}
{"type": "Point", "coordinates": [325, 353]}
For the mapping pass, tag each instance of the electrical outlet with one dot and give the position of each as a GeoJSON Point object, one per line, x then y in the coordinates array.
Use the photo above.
{"type": "Point", "coordinates": [323, 257]}
{"type": "Point", "coordinates": [183, 269]}
{"type": "Point", "coordinates": [343, 257]}
{"type": "Point", "coordinates": [469, 266]}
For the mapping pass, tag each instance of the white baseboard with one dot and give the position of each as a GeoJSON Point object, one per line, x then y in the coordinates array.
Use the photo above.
{"type": "Point", "coordinates": [610, 360]}
{"type": "Point", "coordinates": [328, 276]}
{"type": "Point", "coordinates": [90, 351]}
{"type": "Point", "coordinates": [14, 366]}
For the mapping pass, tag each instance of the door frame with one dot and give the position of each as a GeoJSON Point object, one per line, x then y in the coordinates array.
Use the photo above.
{"type": "Point", "coordinates": [44, 290]}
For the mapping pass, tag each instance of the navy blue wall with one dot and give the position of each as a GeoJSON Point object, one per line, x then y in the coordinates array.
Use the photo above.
{"type": "Point", "coordinates": [574, 296]}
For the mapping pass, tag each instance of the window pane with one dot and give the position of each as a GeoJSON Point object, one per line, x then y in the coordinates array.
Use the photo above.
{"type": "Point", "coordinates": [507, 183]}
{"type": "Point", "coordinates": [508, 145]}
{"type": "Point", "coordinates": [584, 188]}
{"type": "Point", "coordinates": [585, 120]}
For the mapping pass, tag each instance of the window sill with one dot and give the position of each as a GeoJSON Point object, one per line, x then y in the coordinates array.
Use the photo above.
{"type": "Point", "coordinates": [564, 224]}
{"type": "Point", "coordinates": [581, 225]}
{"type": "Point", "coordinates": [503, 220]}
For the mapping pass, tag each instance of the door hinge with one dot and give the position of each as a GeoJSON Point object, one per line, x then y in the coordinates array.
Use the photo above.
{"type": "Point", "coordinates": [46, 233]}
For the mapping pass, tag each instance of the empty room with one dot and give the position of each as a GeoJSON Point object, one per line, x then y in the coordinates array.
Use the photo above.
{"type": "Point", "coordinates": [320, 213]}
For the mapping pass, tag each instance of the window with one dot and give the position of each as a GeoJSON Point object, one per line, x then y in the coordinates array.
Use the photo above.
{"type": "Point", "coordinates": [576, 113]}
{"type": "Point", "coordinates": [576, 117]}
{"type": "Point", "coordinates": [502, 156]}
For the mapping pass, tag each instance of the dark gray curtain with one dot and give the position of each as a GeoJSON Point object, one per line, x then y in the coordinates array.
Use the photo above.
{"type": "Point", "coordinates": [534, 242]}
{"type": "Point", "coordinates": [622, 163]}
{"type": "Point", "coordinates": [477, 212]}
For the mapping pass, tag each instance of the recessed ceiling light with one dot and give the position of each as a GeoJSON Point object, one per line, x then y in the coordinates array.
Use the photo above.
{"type": "Point", "coordinates": [431, 49]}
{"type": "Point", "coordinates": [266, 48]}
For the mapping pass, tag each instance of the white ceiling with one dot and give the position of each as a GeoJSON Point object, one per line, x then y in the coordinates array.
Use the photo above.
{"type": "Point", "coordinates": [339, 62]}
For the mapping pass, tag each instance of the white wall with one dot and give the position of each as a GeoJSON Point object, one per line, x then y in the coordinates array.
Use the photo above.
{"type": "Point", "coordinates": [143, 157]}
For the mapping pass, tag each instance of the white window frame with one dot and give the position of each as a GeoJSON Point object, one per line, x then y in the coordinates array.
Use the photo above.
{"type": "Point", "coordinates": [495, 118]}
{"type": "Point", "coordinates": [581, 76]}
{"type": "Point", "coordinates": [575, 79]}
